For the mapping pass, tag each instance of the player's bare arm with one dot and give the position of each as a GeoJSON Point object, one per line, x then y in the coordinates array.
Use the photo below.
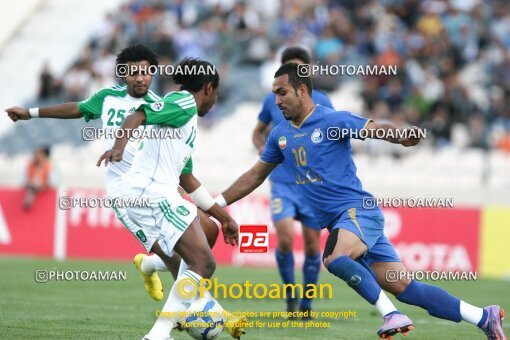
{"type": "Point", "coordinates": [131, 123]}
{"type": "Point", "coordinates": [60, 111]}
{"type": "Point", "coordinates": [204, 200]}
{"type": "Point", "coordinates": [372, 128]}
{"type": "Point", "coordinates": [248, 182]}
{"type": "Point", "coordinates": [259, 135]}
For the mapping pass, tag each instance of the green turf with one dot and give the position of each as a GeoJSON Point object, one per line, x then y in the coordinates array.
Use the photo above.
{"type": "Point", "coordinates": [123, 310]}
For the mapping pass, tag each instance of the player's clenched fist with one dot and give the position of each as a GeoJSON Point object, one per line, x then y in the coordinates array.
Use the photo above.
{"type": "Point", "coordinates": [412, 140]}
{"type": "Point", "coordinates": [111, 156]}
{"type": "Point", "coordinates": [18, 113]}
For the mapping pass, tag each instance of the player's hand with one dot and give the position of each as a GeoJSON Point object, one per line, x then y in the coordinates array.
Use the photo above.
{"type": "Point", "coordinates": [230, 231]}
{"type": "Point", "coordinates": [412, 141]}
{"type": "Point", "coordinates": [111, 156]}
{"type": "Point", "coordinates": [18, 113]}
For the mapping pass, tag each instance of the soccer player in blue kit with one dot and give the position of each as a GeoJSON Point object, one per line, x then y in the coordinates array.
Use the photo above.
{"type": "Point", "coordinates": [356, 250]}
{"type": "Point", "coordinates": [287, 201]}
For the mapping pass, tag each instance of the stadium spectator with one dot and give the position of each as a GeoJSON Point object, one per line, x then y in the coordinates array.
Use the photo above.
{"type": "Point", "coordinates": [38, 176]}
{"type": "Point", "coordinates": [47, 84]}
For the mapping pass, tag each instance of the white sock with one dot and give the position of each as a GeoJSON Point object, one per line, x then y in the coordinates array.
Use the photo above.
{"type": "Point", "coordinates": [206, 293]}
{"type": "Point", "coordinates": [183, 267]}
{"type": "Point", "coordinates": [384, 305]}
{"type": "Point", "coordinates": [152, 263]}
{"type": "Point", "coordinates": [470, 313]}
{"type": "Point", "coordinates": [175, 303]}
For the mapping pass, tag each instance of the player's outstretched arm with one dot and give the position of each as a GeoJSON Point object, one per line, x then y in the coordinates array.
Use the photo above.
{"type": "Point", "coordinates": [60, 111]}
{"type": "Point", "coordinates": [205, 202]}
{"type": "Point", "coordinates": [245, 184]}
{"type": "Point", "coordinates": [390, 130]}
{"type": "Point", "coordinates": [131, 123]}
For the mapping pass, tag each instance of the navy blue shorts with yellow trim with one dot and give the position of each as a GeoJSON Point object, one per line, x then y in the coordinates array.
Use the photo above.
{"type": "Point", "coordinates": [368, 225]}
{"type": "Point", "coordinates": [288, 201]}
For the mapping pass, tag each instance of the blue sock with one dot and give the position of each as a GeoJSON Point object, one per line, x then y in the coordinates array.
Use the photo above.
{"type": "Point", "coordinates": [311, 269]}
{"type": "Point", "coordinates": [286, 267]}
{"type": "Point", "coordinates": [357, 277]}
{"type": "Point", "coordinates": [437, 301]}
{"type": "Point", "coordinates": [483, 319]}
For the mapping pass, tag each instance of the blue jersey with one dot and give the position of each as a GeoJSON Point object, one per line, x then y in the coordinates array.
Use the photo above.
{"type": "Point", "coordinates": [322, 167]}
{"type": "Point", "coordinates": [271, 113]}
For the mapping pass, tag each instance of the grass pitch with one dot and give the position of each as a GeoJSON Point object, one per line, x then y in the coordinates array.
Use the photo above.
{"type": "Point", "coordinates": [123, 310]}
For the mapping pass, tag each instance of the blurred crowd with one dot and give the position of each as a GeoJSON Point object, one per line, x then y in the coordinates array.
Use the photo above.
{"type": "Point", "coordinates": [453, 57]}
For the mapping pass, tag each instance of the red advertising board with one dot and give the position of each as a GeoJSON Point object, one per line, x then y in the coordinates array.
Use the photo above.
{"type": "Point", "coordinates": [435, 239]}
{"type": "Point", "coordinates": [426, 239]}
{"type": "Point", "coordinates": [27, 232]}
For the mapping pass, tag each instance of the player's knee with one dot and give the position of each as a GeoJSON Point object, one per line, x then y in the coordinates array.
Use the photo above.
{"type": "Point", "coordinates": [398, 287]}
{"type": "Point", "coordinates": [285, 243]}
{"type": "Point", "coordinates": [311, 240]}
{"type": "Point", "coordinates": [327, 260]}
{"type": "Point", "coordinates": [285, 247]}
{"type": "Point", "coordinates": [311, 249]}
{"type": "Point", "coordinates": [285, 233]}
{"type": "Point", "coordinates": [333, 251]}
{"type": "Point", "coordinates": [349, 252]}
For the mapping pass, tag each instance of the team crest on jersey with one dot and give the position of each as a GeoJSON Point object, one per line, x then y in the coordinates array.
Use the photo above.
{"type": "Point", "coordinates": [282, 142]}
{"type": "Point", "coordinates": [157, 106]}
{"type": "Point", "coordinates": [182, 210]}
{"type": "Point", "coordinates": [317, 136]}
{"type": "Point", "coordinates": [141, 236]}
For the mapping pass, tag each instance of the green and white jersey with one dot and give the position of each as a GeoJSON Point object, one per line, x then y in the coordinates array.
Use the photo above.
{"type": "Point", "coordinates": [112, 105]}
{"type": "Point", "coordinates": [159, 162]}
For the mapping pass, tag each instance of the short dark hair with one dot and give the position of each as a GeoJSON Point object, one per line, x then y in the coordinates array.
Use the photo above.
{"type": "Point", "coordinates": [136, 53]}
{"type": "Point", "coordinates": [195, 80]}
{"type": "Point", "coordinates": [296, 52]}
{"type": "Point", "coordinates": [291, 69]}
{"type": "Point", "coordinates": [46, 150]}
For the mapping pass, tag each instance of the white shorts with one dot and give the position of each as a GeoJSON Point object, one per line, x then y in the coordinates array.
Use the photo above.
{"type": "Point", "coordinates": [165, 220]}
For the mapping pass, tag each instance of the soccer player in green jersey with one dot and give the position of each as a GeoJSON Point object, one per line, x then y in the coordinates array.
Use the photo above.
{"type": "Point", "coordinates": [170, 223]}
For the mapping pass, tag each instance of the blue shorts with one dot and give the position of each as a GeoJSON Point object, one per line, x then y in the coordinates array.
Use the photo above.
{"type": "Point", "coordinates": [288, 201]}
{"type": "Point", "coordinates": [368, 225]}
